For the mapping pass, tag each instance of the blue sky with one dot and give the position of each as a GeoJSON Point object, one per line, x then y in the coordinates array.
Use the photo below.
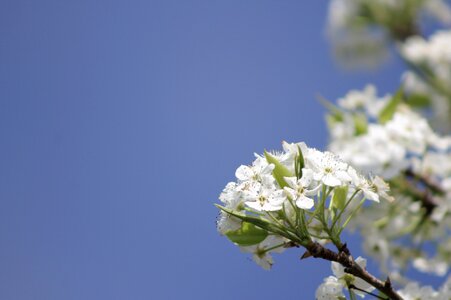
{"type": "Point", "coordinates": [120, 123]}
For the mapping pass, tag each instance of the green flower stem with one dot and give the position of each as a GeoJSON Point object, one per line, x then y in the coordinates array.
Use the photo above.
{"type": "Point", "coordinates": [253, 211]}
{"type": "Point", "coordinates": [296, 210]}
{"type": "Point", "coordinates": [351, 294]}
{"type": "Point", "coordinates": [275, 247]}
{"type": "Point", "coordinates": [320, 237]}
{"type": "Point", "coordinates": [344, 208]}
{"type": "Point", "coordinates": [300, 225]}
{"type": "Point", "coordinates": [285, 231]}
{"type": "Point", "coordinates": [335, 238]}
{"type": "Point", "coordinates": [285, 215]}
{"type": "Point", "coordinates": [351, 215]}
{"type": "Point", "coordinates": [303, 225]}
{"type": "Point", "coordinates": [321, 205]}
{"type": "Point", "coordinates": [277, 222]}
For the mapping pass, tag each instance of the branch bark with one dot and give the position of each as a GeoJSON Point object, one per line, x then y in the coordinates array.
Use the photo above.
{"type": "Point", "coordinates": [345, 259]}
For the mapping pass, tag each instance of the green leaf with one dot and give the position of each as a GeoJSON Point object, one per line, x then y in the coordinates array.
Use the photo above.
{"type": "Point", "coordinates": [280, 171]}
{"type": "Point", "coordinates": [299, 163]}
{"type": "Point", "coordinates": [336, 114]}
{"type": "Point", "coordinates": [418, 100]}
{"type": "Point", "coordinates": [250, 219]}
{"type": "Point", "coordinates": [263, 224]}
{"type": "Point", "coordinates": [339, 197]}
{"type": "Point", "coordinates": [360, 124]}
{"type": "Point", "coordinates": [389, 110]}
{"type": "Point", "coordinates": [247, 235]}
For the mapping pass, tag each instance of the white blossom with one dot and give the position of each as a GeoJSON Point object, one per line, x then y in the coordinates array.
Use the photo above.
{"type": "Point", "coordinates": [338, 271]}
{"type": "Point", "coordinates": [231, 197]}
{"type": "Point", "coordinates": [328, 168]}
{"type": "Point", "coordinates": [330, 289]}
{"type": "Point", "coordinates": [362, 184]}
{"type": "Point", "coordinates": [261, 254]}
{"type": "Point", "coordinates": [260, 197]}
{"type": "Point", "coordinates": [299, 190]}
{"type": "Point", "coordinates": [432, 266]}
{"type": "Point", "coordinates": [260, 168]}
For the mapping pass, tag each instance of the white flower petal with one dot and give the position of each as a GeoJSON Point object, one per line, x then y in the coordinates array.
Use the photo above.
{"type": "Point", "coordinates": [337, 269]}
{"type": "Point", "coordinates": [331, 180]}
{"type": "Point", "coordinates": [304, 202]}
{"type": "Point", "coordinates": [244, 173]}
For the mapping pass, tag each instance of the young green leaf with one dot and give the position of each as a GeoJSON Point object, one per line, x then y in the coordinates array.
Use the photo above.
{"type": "Point", "coordinates": [280, 171]}
{"type": "Point", "coordinates": [339, 197]}
{"type": "Point", "coordinates": [335, 113]}
{"type": "Point", "coordinates": [390, 108]}
{"type": "Point", "coordinates": [360, 124]}
{"type": "Point", "coordinates": [418, 100]}
{"type": "Point", "coordinates": [247, 235]}
{"type": "Point", "coordinates": [250, 219]}
{"type": "Point", "coordinates": [299, 163]}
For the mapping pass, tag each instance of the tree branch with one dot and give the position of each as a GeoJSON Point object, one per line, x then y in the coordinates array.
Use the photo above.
{"type": "Point", "coordinates": [428, 182]}
{"type": "Point", "coordinates": [345, 259]}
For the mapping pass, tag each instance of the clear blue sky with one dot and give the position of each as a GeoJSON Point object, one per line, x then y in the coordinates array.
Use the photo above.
{"type": "Point", "coordinates": [120, 123]}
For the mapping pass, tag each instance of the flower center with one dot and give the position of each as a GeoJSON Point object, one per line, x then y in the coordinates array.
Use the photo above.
{"type": "Point", "coordinates": [300, 190]}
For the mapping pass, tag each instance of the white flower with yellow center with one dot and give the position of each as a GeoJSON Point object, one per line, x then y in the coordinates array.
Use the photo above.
{"type": "Point", "coordinates": [299, 189]}
{"type": "Point", "coordinates": [259, 169]}
{"type": "Point", "coordinates": [262, 250]}
{"type": "Point", "coordinates": [328, 168]}
{"type": "Point", "coordinates": [263, 198]}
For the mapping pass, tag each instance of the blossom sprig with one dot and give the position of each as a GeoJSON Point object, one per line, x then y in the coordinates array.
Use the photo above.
{"type": "Point", "coordinates": [297, 197]}
{"type": "Point", "coordinates": [291, 188]}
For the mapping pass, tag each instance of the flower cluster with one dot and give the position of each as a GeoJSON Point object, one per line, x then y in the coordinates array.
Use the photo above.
{"type": "Point", "coordinates": [384, 136]}
{"type": "Point", "coordinates": [290, 189]}
{"type": "Point", "coordinates": [380, 135]}
{"type": "Point", "coordinates": [428, 82]}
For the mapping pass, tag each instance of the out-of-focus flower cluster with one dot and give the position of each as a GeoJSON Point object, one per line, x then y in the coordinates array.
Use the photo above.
{"type": "Point", "coordinates": [428, 82]}
{"type": "Point", "coordinates": [414, 291]}
{"type": "Point", "coordinates": [385, 137]}
{"type": "Point", "coordinates": [298, 195]}
{"type": "Point", "coordinates": [360, 29]}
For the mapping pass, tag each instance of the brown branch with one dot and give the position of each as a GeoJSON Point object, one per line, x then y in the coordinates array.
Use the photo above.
{"type": "Point", "coordinates": [427, 201]}
{"type": "Point", "coordinates": [401, 32]}
{"type": "Point", "coordinates": [345, 259]}
{"type": "Point", "coordinates": [428, 182]}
